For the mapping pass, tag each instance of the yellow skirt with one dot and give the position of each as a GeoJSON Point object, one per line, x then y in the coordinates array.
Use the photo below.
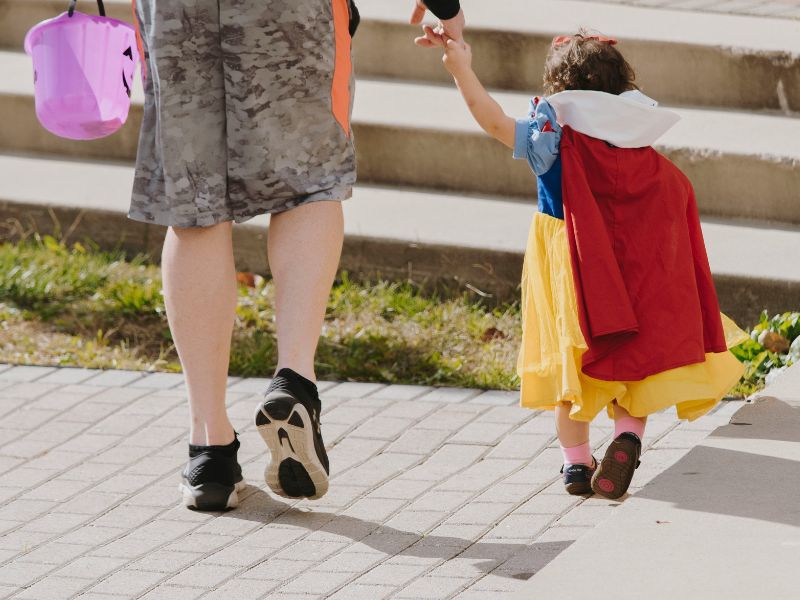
{"type": "Point", "coordinates": [552, 346]}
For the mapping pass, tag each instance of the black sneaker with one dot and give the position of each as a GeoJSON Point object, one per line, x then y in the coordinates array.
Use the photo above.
{"type": "Point", "coordinates": [212, 478]}
{"type": "Point", "coordinates": [615, 472]}
{"type": "Point", "coordinates": [288, 420]}
{"type": "Point", "coordinates": [578, 478]}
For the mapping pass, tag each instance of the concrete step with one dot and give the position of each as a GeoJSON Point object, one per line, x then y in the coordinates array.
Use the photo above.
{"type": "Point", "coordinates": [685, 59]}
{"type": "Point", "coordinates": [442, 240]}
{"type": "Point", "coordinates": [422, 135]}
{"type": "Point", "coordinates": [691, 59]}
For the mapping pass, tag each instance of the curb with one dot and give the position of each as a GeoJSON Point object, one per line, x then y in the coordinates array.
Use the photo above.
{"type": "Point", "coordinates": [487, 273]}
{"type": "Point", "coordinates": [490, 274]}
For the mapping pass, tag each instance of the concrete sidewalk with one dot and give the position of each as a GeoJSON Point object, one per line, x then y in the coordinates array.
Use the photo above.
{"type": "Point", "coordinates": [436, 493]}
{"type": "Point", "coordinates": [723, 522]}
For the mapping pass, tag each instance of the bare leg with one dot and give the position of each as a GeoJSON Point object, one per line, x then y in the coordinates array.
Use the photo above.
{"type": "Point", "coordinates": [200, 296]}
{"type": "Point", "coordinates": [304, 245]}
{"type": "Point", "coordinates": [571, 433]}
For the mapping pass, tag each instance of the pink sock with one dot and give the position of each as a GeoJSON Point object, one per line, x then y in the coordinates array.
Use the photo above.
{"type": "Point", "coordinates": [631, 424]}
{"type": "Point", "coordinates": [578, 455]}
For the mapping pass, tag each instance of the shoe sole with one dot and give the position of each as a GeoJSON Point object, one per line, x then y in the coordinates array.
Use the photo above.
{"type": "Point", "coordinates": [578, 489]}
{"type": "Point", "coordinates": [211, 496]}
{"type": "Point", "coordinates": [294, 470]}
{"type": "Point", "coordinates": [614, 474]}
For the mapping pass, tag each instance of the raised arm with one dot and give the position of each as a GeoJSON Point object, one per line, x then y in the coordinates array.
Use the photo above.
{"type": "Point", "coordinates": [486, 111]}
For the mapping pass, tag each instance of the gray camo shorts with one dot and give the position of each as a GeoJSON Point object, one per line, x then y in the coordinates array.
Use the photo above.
{"type": "Point", "coordinates": [247, 109]}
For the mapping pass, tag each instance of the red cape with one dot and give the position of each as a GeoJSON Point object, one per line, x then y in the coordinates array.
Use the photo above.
{"type": "Point", "coordinates": [646, 298]}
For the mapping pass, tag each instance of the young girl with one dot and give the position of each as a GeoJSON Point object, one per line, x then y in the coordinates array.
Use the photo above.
{"type": "Point", "coordinates": [619, 309]}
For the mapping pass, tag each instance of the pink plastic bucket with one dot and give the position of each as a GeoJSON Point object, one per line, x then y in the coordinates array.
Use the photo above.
{"type": "Point", "coordinates": [83, 68]}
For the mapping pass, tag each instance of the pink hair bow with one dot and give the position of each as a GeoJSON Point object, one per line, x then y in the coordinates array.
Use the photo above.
{"type": "Point", "coordinates": [560, 40]}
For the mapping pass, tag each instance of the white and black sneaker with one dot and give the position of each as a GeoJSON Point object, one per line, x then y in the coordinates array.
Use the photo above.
{"type": "Point", "coordinates": [212, 478]}
{"type": "Point", "coordinates": [288, 420]}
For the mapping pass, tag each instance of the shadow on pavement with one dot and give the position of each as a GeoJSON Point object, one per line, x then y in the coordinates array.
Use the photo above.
{"type": "Point", "coordinates": [750, 468]}
{"type": "Point", "coordinates": [767, 419]}
{"type": "Point", "coordinates": [502, 558]}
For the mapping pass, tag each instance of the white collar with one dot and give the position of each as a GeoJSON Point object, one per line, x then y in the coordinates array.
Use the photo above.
{"type": "Point", "coordinates": [630, 120]}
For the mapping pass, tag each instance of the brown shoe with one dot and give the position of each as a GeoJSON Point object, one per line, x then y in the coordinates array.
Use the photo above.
{"type": "Point", "coordinates": [578, 478]}
{"type": "Point", "coordinates": [613, 476]}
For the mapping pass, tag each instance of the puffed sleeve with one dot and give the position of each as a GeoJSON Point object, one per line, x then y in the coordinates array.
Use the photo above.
{"type": "Point", "coordinates": [537, 137]}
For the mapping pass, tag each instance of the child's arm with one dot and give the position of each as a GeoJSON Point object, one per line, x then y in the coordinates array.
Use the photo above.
{"type": "Point", "coordinates": [487, 112]}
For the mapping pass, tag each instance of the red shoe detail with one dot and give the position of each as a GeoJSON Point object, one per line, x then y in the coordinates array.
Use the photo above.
{"type": "Point", "coordinates": [606, 485]}
{"type": "Point", "coordinates": [620, 456]}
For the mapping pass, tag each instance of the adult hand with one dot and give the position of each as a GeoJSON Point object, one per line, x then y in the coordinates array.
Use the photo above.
{"type": "Point", "coordinates": [447, 29]}
{"type": "Point", "coordinates": [419, 12]}
{"type": "Point", "coordinates": [454, 28]}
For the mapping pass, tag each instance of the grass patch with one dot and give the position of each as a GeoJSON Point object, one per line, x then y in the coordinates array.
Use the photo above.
{"type": "Point", "coordinates": [71, 306]}
{"type": "Point", "coordinates": [45, 278]}
{"type": "Point", "coordinates": [77, 306]}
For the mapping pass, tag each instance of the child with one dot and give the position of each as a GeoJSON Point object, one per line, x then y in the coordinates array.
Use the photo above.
{"type": "Point", "coordinates": [619, 309]}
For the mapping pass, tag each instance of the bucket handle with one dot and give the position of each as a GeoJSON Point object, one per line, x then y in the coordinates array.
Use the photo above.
{"type": "Point", "coordinates": [100, 7]}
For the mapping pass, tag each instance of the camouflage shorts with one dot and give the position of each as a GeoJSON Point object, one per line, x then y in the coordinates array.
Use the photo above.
{"type": "Point", "coordinates": [247, 109]}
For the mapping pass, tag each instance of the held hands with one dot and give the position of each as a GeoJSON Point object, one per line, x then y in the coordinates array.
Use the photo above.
{"type": "Point", "coordinates": [457, 57]}
{"type": "Point", "coordinates": [448, 28]}
{"type": "Point", "coordinates": [448, 35]}
{"type": "Point", "coordinates": [457, 53]}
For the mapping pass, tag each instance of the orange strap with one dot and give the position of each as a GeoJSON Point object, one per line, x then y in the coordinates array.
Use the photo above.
{"type": "Point", "coordinates": [343, 68]}
{"type": "Point", "coordinates": [142, 60]}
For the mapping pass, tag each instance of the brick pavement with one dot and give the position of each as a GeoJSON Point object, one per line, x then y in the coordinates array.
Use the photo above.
{"type": "Point", "coordinates": [425, 502]}
{"type": "Point", "coordinates": [760, 8]}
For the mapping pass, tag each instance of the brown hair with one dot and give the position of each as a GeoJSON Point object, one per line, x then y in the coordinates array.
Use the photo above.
{"type": "Point", "coordinates": [584, 62]}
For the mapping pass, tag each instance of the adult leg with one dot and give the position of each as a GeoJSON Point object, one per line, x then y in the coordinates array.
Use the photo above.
{"type": "Point", "coordinates": [304, 245]}
{"type": "Point", "coordinates": [304, 248]}
{"type": "Point", "coordinates": [200, 296]}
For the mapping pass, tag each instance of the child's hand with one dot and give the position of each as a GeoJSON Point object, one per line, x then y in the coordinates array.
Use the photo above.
{"type": "Point", "coordinates": [431, 38]}
{"type": "Point", "coordinates": [457, 57]}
